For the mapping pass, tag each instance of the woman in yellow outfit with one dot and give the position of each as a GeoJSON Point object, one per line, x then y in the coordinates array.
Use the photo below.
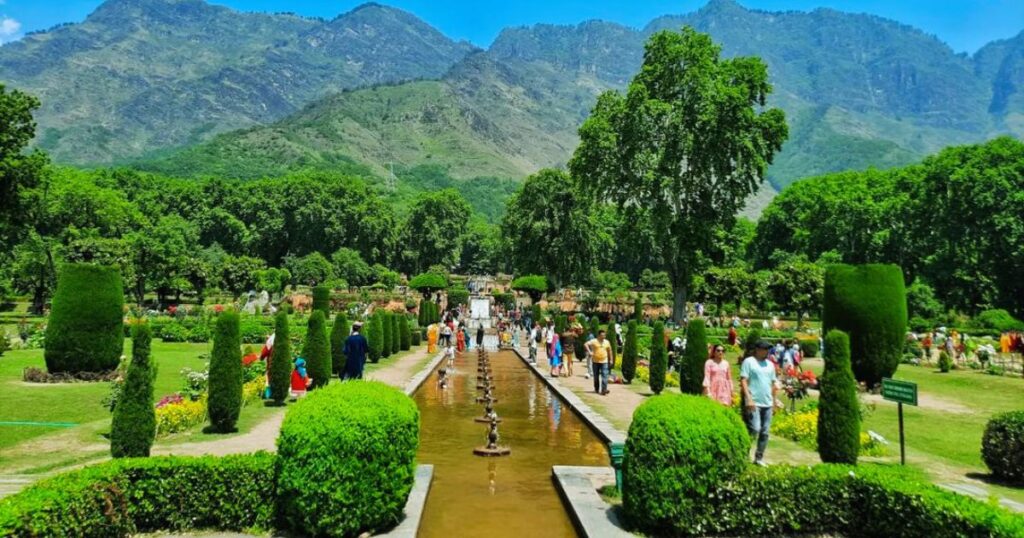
{"type": "Point", "coordinates": [432, 333]}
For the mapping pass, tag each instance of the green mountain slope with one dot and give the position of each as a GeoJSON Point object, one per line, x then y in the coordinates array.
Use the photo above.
{"type": "Point", "coordinates": [142, 75]}
{"type": "Point", "coordinates": [859, 91]}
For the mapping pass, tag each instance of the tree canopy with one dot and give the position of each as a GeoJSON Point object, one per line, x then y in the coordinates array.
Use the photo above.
{"type": "Point", "coordinates": [689, 141]}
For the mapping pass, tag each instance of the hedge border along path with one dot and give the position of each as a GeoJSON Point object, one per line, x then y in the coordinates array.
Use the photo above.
{"type": "Point", "coordinates": [123, 497]}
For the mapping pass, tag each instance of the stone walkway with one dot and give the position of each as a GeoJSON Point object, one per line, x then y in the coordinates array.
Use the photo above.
{"type": "Point", "coordinates": [618, 406]}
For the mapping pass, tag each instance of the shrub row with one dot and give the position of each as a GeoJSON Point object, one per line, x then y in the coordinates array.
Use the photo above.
{"type": "Point", "coordinates": [839, 499]}
{"type": "Point", "coordinates": [128, 496]}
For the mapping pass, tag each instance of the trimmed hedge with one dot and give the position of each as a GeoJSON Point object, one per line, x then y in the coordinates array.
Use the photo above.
{"type": "Point", "coordinates": [679, 448]}
{"type": "Point", "coordinates": [85, 332]}
{"type": "Point", "coordinates": [133, 426]}
{"type": "Point", "coordinates": [428, 282]}
{"type": "Point", "coordinates": [809, 347]}
{"type": "Point", "coordinates": [659, 359]}
{"type": "Point", "coordinates": [224, 402]}
{"type": "Point", "coordinates": [322, 299]}
{"type": "Point", "coordinates": [317, 350]}
{"type": "Point", "coordinates": [375, 336]}
{"type": "Point", "coordinates": [870, 502]}
{"type": "Point", "coordinates": [386, 339]}
{"type": "Point", "coordinates": [868, 302]}
{"type": "Point", "coordinates": [691, 367]}
{"type": "Point", "coordinates": [346, 459]}
{"type": "Point", "coordinates": [838, 408]}
{"type": "Point", "coordinates": [396, 334]}
{"type": "Point", "coordinates": [405, 341]}
{"type": "Point", "coordinates": [280, 360]}
{"type": "Point", "coordinates": [1002, 446]}
{"type": "Point", "coordinates": [629, 353]}
{"type": "Point", "coordinates": [339, 332]}
{"type": "Point", "coordinates": [123, 497]}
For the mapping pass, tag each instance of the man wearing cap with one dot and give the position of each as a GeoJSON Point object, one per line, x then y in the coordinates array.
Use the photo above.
{"type": "Point", "coordinates": [355, 351]}
{"type": "Point", "coordinates": [757, 380]}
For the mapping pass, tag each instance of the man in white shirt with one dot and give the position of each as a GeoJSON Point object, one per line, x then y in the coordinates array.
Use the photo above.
{"type": "Point", "coordinates": [534, 336]}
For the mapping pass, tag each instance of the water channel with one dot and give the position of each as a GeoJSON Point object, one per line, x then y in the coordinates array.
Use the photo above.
{"type": "Point", "coordinates": [508, 496]}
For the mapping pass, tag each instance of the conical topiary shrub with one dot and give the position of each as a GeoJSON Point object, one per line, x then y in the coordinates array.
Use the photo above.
{"type": "Point", "coordinates": [396, 333]}
{"type": "Point", "coordinates": [659, 358]}
{"type": "Point", "coordinates": [224, 402]}
{"type": "Point", "coordinates": [403, 328]}
{"type": "Point", "coordinates": [134, 424]}
{"type": "Point", "coordinates": [838, 408]}
{"type": "Point", "coordinates": [85, 331]}
{"type": "Point", "coordinates": [317, 350]}
{"type": "Point", "coordinates": [280, 360]}
{"type": "Point", "coordinates": [613, 340]}
{"type": "Point", "coordinates": [339, 332]}
{"type": "Point", "coordinates": [638, 309]}
{"type": "Point", "coordinates": [322, 299]}
{"type": "Point", "coordinates": [629, 353]}
{"type": "Point", "coordinates": [375, 336]}
{"type": "Point", "coordinates": [691, 367]}
{"type": "Point", "coordinates": [385, 320]}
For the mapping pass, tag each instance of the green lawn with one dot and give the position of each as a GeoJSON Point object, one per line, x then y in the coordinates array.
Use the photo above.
{"type": "Point", "coordinates": [76, 403]}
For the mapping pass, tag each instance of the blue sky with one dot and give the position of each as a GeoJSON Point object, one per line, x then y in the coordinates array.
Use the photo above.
{"type": "Point", "coordinates": [965, 25]}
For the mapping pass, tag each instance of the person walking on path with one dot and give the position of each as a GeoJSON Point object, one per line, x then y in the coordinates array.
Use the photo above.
{"type": "Point", "coordinates": [480, 335]}
{"type": "Point", "coordinates": [718, 377]}
{"type": "Point", "coordinates": [757, 380]}
{"type": "Point", "coordinates": [568, 340]}
{"type": "Point", "coordinates": [601, 358]}
{"type": "Point", "coordinates": [460, 340]}
{"type": "Point", "coordinates": [555, 357]}
{"type": "Point", "coordinates": [355, 352]}
{"type": "Point", "coordinates": [534, 339]}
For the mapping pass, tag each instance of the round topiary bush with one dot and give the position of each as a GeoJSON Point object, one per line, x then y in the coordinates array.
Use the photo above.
{"type": "Point", "coordinates": [346, 459]}
{"type": "Point", "coordinates": [1002, 446]}
{"type": "Point", "coordinates": [85, 332]}
{"type": "Point", "coordinates": [691, 367]}
{"type": "Point", "coordinates": [679, 447]}
{"type": "Point", "coordinates": [838, 408]}
{"type": "Point", "coordinates": [868, 302]}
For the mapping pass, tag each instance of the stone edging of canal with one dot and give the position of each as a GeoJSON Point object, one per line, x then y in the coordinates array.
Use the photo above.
{"type": "Point", "coordinates": [576, 485]}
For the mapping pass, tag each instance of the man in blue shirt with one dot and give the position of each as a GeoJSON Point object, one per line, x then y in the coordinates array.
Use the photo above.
{"type": "Point", "coordinates": [757, 380]}
{"type": "Point", "coordinates": [355, 351]}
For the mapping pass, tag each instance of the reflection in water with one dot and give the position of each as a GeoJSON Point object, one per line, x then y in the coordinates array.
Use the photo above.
{"type": "Point", "coordinates": [508, 496]}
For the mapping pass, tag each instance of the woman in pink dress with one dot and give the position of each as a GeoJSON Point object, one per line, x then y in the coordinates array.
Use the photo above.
{"type": "Point", "coordinates": [718, 377]}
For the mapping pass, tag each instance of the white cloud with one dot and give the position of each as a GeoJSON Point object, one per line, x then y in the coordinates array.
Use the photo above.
{"type": "Point", "coordinates": [9, 29]}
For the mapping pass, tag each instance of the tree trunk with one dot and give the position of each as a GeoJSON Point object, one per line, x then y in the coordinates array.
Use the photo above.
{"type": "Point", "coordinates": [38, 300]}
{"type": "Point", "coordinates": [678, 303]}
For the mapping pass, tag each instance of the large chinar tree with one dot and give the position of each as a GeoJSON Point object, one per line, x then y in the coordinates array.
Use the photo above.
{"type": "Point", "coordinates": [689, 142]}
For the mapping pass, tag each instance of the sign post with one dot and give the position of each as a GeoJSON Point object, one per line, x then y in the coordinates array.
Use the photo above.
{"type": "Point", "coordinates": [901, 392]}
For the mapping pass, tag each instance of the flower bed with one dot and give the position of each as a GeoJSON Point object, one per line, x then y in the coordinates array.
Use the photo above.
{"type": "Point", "coordinates": [176, 413]}
{"type": "Point", "coordinates": [802, 426]}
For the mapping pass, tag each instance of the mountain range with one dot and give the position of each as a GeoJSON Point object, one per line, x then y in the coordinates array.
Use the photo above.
{"type": "Point", "coordinates": [186, 88]}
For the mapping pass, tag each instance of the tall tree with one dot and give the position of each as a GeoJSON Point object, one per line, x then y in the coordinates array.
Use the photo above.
{"type": "Point", "coordinates": [19, 171]}
{"type": "Point", "coordinates": [550, 230]}
{"type": "Point", "coordinates": [434, 230]}
{"type": "Point", "coordinates": [690, 141]}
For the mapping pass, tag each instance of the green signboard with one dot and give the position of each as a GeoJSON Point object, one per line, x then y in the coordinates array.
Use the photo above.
{"type": "Point", "coordinates": [899, 391]}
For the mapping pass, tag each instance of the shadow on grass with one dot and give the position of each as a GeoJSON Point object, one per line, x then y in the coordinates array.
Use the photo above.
{"type": "Point", "coordinates": [993, 480]}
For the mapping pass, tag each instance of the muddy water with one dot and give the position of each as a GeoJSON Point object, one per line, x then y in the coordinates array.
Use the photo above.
{"type": "Point", "coordinates": [509, 496]}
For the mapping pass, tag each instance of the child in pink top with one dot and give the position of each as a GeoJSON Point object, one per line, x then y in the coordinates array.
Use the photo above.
{"type": "Point", "coordinates": [718, 377]}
